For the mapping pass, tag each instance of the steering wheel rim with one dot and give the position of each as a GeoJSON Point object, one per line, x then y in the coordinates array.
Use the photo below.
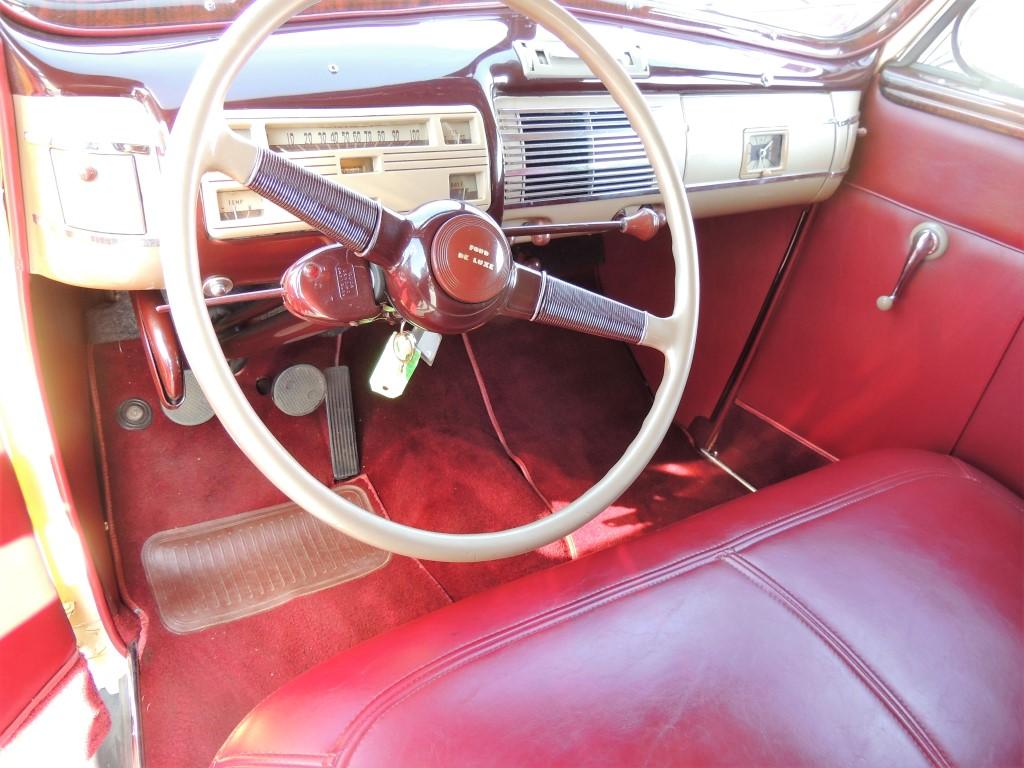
{"type": "Point", "coordinates": [197, 138]}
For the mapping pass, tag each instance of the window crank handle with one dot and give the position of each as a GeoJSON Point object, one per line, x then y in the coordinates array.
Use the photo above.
{"type": "Point", "coordinates": [927, 241]}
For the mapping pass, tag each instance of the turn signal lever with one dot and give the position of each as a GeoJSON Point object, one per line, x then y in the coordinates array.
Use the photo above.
{"type": "Point", "coordinates": [928, 241]}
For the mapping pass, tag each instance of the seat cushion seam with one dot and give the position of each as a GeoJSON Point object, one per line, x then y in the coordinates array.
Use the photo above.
{"type": "Point", "coordinates": [273, 760]}
{"type": "Point", "coordinates": [1000, 493]}
{"type": "Point", "coordinates": [996, 490]}
{"type": "Point", "coordinates": [845, 653]}
{"type": "Point", "coordinates": [397, 691]}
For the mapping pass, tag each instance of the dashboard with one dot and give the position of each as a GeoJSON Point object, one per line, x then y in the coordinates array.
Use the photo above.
{"type": "Point", "coordinates": [501, 115]}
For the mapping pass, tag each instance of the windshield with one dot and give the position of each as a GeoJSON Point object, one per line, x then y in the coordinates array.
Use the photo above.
{"type": "Point", "coordinates": [817, 18]}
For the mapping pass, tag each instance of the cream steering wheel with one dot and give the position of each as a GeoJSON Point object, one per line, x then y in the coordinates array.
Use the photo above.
{"type": "Point", "coordinates": [201, 141]}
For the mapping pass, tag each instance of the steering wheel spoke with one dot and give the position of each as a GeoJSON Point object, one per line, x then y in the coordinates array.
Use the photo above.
{"type": "Point", "coordinates": [541, 298]}
{"type": "Point", "coordinates": [346, 216]}
{"type": "Point", "coordinates": [231, 153]}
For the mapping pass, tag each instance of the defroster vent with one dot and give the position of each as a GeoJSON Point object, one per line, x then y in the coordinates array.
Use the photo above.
{"type": "Point", "coordinates": [559, 155]}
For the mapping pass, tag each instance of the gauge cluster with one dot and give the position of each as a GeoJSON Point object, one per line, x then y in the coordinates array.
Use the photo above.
{"type": "Point", "coordinates": [403, 157]}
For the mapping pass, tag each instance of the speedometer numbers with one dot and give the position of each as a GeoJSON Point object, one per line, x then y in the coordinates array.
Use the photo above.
{"type": "Point", "coordinates": [330, 137]}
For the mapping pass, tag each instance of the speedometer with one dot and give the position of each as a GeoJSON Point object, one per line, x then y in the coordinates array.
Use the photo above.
{"type": "Point", "coordinates": [329, 137]}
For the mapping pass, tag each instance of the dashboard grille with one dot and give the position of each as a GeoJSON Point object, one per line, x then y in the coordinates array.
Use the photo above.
{"type": "Point", "coordinates": [558, 155]}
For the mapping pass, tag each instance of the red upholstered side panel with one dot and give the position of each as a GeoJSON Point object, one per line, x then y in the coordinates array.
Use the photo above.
{"type": "Point", "coordinates": [848, 377]}
{"type": "Point", "coordinates": [739, 256]}
{"type": "Point", "coordinates": [33, 648]}
{"type": "Point", "coordinates": [950, 170]}
{"type": "Point", "coordinates": [994, 438]}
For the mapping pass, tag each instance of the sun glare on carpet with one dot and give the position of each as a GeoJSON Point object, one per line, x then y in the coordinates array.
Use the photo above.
{"type": "Point", "coordinates": [674, 469]}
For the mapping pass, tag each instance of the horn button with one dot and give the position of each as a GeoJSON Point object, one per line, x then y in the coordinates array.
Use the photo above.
{"type": "Point", "coordinates": [470, 259]}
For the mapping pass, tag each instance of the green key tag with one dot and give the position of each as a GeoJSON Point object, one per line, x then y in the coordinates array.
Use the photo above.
{"type": "Point", "coordinates": [397, 362]}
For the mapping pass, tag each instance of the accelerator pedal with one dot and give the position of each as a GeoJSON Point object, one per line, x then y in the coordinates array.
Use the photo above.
{"type": "Point", "coordinates": [341, 424]}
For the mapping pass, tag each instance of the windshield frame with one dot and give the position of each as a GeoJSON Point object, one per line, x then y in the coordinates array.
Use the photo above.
{"type": "Point", "coordinates": [125, 21]}
{"type": "Point", "coordinates": [856, 42]}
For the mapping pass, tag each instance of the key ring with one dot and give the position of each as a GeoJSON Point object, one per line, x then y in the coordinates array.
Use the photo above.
{"type": "Point", "coordinates": [405, 352]}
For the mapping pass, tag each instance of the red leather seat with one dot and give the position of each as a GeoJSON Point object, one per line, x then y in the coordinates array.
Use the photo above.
{"type": "Point", "coordinates": [869, 612]}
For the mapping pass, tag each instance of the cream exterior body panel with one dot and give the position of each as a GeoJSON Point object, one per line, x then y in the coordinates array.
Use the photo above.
{"type": "Point", "coordinates": [91, 181]}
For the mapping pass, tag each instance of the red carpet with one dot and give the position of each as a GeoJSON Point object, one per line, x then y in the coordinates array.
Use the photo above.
{"type": "Point", "coordinates": [436, 463]}
{"type": "Point", "coordinates": [197, 687]}
{"type": "Point", "coordinates": [568, 405]}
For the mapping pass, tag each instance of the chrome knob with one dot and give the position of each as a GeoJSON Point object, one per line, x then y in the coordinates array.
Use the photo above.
{"type": "Point", "coordinates": [217, 285]}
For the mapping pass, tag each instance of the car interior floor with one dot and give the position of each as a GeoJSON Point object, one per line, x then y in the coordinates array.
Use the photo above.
{"type": "Point", "coordinates": [511, 422]}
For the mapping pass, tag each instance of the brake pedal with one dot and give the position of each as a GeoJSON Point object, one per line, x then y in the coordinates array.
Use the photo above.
{"type": "Point", "coordinates": [299, 389]}
{"type": "Point", "coordinates": [341, 424]}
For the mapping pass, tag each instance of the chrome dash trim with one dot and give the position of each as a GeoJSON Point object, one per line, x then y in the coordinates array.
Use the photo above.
{"type": "Point", "coordinates": [701, 186]}
{"type": "Point", "coordinates": [710, 186]}
{"type": "Point", "coordinates": [851, 120]}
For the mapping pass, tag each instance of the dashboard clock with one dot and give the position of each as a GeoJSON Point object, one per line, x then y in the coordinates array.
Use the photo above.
{"type": "Point", "coordinates": [764, 152]}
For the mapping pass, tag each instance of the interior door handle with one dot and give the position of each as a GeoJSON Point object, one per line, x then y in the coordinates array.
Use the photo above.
{"type": "Point", "coordinates": [928, 241]}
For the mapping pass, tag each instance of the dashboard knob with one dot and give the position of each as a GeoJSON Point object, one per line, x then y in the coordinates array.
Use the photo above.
{"type": "Point", "coordinates": [217, 285]}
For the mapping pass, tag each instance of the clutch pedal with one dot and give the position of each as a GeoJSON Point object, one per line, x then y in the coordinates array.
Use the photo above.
{"type": "Point", "coordinates": [341, 424]}
{"type": "Point", "coordinates": [194, 408]}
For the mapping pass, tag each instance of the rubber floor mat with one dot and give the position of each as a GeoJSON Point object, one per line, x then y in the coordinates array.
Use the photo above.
{"type": "Point", "coordinates": [221, 570]}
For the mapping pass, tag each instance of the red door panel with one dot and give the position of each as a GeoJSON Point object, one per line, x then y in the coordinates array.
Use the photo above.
{"type": "Point", "coordinates": [848, 377]}
{"type": "Point", "coordinates": [994, 437]}
{"type": "Point", "coordinates": [951, 170]}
